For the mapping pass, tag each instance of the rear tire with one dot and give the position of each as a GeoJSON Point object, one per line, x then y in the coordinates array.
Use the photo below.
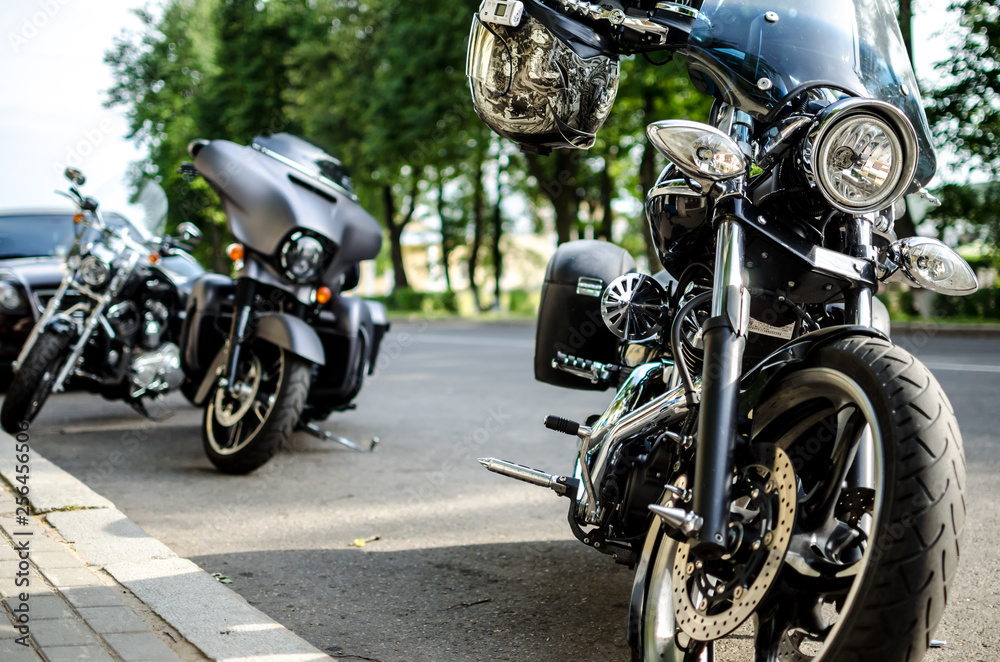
{"type": "Point", "coordinates": [893, 579]}
{"type": "Point", "coordinates": [240, 434]}
{"type": "Point", "coordinates": [32, 383]}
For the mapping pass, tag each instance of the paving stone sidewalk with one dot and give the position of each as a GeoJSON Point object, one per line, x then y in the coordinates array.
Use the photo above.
{"type": "Point", "coordinates": [80, 581]}
{"type": "Point", "coordinates": [64, 609]}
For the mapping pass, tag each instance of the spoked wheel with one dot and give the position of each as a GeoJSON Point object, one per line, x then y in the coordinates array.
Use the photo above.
{"type": "Point", "coordinates": [245, 426]}
{"type": "Point", "coordinates": [32, 384]}
{"type": "Point", "coordinates": [830, 558]}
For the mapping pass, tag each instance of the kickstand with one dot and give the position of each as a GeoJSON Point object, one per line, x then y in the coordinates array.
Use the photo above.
{"type": "Point", "coordinates": [140, 407]}
{"type": "Point", "coordinates": [326, 435]}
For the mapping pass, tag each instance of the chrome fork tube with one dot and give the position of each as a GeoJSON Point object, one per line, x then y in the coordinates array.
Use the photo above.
{"type": "Point", "coordinates": [858, 301]}
{"type": "Point", "coordinates": [47, 315]}
{"type": "Point", "coordinates": [724, 340]}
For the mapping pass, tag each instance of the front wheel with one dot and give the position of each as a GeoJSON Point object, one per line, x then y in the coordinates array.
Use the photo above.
{"type": "Point", "coordinates": [828, 562]}
{"type": "Point", "coordinates": [246, 425]}
{"type": "Point", "coordinates": [33, 381]}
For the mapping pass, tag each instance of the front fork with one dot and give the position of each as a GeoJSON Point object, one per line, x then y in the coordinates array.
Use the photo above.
{"type": "Point", "coordinates": [724, 341]}
{"type": "Point", "coordinates": [242, 315]}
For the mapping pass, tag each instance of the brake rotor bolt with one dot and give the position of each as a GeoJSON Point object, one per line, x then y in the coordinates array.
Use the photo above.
{"type": "Point", "coordinates": [677, 466]}
{"type": "Point", "coordinates": [770, 487]}
{"type": "Point", "coordinates": [689, 569]}
{"type": "Point", "coordinates": [738, 593]}
{"type": "Point", "coordinates": [755, 494]}
{"type": "Point", "coordinates": [699, 565]}
{"type": "Point", "coordinates": [755, 546]}
{"type": "Point", "coordinates": [702, 606]}
{"type": "Point", "coordinates": [768, 538]}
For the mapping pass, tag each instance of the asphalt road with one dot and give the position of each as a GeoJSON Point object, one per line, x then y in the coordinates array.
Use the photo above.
{"type": "Point", "coordinates": [467, 565]}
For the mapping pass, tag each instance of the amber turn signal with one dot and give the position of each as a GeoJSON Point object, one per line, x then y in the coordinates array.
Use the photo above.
{"type": "Point", "coordinates": [78, 217]}
{"type": "Point", "coordinates": [323, 295]}
{"type": "Point", "coordinates": [235, 252]}
{"type": "Point", "coordinates": [154, 258]}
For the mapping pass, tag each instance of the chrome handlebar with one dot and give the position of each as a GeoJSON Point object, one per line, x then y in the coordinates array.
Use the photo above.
{"type": "Point", "coordinates": [619, 18]}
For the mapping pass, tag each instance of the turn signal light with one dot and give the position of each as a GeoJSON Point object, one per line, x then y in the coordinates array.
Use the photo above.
{"type": "Point", "coordinates": [154, 258]}
{"type": "Point", "coordinates": [78, 217]}
{"type": "Point", "coordinates": [323, 295]}
{"type": "Point", "coordinates": [235, 252]}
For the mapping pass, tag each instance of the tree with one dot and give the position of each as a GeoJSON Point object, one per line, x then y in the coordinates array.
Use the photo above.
{"type": "Point", "coordinates": [965, 111]}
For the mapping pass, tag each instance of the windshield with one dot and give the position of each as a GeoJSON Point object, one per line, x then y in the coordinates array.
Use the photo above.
{"type": "Point", "coordinates": [43, 235]}
{"type": "Point", "coordinates": [147, 210]}
{"type": "Point", "coordinates": [306, 157]}
{"type": "Point", "coordinates": [751, 53]}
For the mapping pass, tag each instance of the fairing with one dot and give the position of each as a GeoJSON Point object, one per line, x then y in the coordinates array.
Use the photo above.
{"type": "Point", "coordinates": [740, 54]}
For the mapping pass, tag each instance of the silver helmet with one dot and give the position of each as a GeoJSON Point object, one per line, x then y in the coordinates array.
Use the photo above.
{"type": "Point", "coordinates": [544, 84]}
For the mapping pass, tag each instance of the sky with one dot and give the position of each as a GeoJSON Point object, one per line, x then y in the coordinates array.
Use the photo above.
{"type": "Point", "coordinates": [54, 83]}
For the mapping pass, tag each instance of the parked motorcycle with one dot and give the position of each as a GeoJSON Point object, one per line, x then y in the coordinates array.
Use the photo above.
{"type": "Point", "coordinates": [113, 325]}
{"type": "Point", "coordinates": [282, 346]}
{"type": "Point", "coordinates": [786, 482]}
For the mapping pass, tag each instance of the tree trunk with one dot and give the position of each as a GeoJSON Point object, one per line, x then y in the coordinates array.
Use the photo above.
{"type": "Point", "coordinates": [215, 235]}
{"type": "Point", "coordinates": [445, 238]}
{"type": "Point", "coordinates": [396, 228]}
{"type": "Point", "coordinates": [647, 179]}
{"type": "Point", "coordinates": [607, 195]}
{"type": "Point", "coordinates": [559, 188]}
{"type": "Point", "coordinates": [479, 221]}
{"type": "Point", "coordinates": [395, 239]}
{"type": "Point", "coordinates": [497, 236]}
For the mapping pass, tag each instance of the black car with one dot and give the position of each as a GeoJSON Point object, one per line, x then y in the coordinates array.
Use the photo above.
{"type": "Point", "coordinates": [33, 246]}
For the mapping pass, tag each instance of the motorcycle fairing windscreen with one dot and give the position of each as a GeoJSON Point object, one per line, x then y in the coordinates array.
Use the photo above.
{"type": "Point", "coordinates": [855, 44]}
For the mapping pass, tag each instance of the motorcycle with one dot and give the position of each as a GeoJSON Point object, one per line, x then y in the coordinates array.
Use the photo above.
{"type": "Point", "coordinates": [786, 482]}
{"type": "Point", "coordinates": [113, 325]}
{"type": "Point", "coordinates": [281, 346]}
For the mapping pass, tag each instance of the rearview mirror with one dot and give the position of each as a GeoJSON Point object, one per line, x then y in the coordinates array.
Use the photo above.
{"type": "Point", "coordinates": [75, 176]}
{"type": "Point", "coordinates": [189, 233]}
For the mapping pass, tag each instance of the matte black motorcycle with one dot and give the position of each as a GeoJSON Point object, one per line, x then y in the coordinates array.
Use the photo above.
{"type": "Point", "coordinates": [114, 323]}
{"type": "Point", "coordinates": [786, 481]}
{"type": "Point", "coordinates": [281, 346]}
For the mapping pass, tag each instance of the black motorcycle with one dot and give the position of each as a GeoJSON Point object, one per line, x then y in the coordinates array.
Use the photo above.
{"type": "Point", "coordinates": [113, 325]}
{"type": "Point", "coordinates": [787, 483]}
{"type": "Point", "coordinates": [281, 347]}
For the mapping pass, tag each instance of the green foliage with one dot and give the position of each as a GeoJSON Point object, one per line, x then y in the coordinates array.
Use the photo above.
{"type": "Point", "coordinates": [966, 111]}
{"type": "Point", "coordinates": [975, 204]}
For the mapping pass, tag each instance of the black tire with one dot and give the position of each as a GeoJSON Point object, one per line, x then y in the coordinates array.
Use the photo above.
{"type": "Point", "coordinates": [889, 609]}
{"type": "Point", "coordinates": [240, 440]}
{"type": "Point", "coordinates": [32, 383]}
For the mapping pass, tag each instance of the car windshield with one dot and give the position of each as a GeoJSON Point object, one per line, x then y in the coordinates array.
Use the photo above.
{"type": "Point", "coordinates": [751, 53]}
{"type": "Point", "coordinates": [43, 235]}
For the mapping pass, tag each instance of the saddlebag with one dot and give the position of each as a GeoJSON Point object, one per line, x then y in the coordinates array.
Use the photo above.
{"type": "Point", "coordinates": [569, 315]}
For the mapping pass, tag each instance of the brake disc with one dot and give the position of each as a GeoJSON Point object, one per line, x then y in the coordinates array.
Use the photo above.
{"type": "Point", "coordinates": [713, 598]}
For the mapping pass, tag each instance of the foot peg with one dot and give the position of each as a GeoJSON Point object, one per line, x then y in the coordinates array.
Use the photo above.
{"type": "Point", "coordinates": [680, 520]}
{"type": "Point", "coordinates": [326, 435]}
{"type": "Point", "coordinates": [566, 426]}
{"type": "Point", "coordinates": [561, 485]}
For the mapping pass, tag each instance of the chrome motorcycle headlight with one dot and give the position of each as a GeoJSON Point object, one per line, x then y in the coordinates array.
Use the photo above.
{"type": "Point", "coordinates": [94, 272]}
{"type": "Point", "coordinates": [861, 154]}
{"type": "Point", "coordinates": [934, 266]}
{"type": "Point", "coordinates": [303, 257]}
{"type": "Point", "coordinates": [700, 151]}
{"type": "Point", "coordinates": [10, 298]}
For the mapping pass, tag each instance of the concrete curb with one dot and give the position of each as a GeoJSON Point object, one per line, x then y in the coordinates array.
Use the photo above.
{"type": "Point", "coordinates": [211, 617]}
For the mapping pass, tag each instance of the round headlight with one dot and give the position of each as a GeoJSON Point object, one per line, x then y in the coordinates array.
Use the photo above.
{"type": "Point", "coordinates": [302, 257]}
{"type": "Point", "coordinates": [93, 272]}
{"type": "Point", "coordinates": [862, 155]}
{"type": "Point", "coordinates": [9, 297]}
